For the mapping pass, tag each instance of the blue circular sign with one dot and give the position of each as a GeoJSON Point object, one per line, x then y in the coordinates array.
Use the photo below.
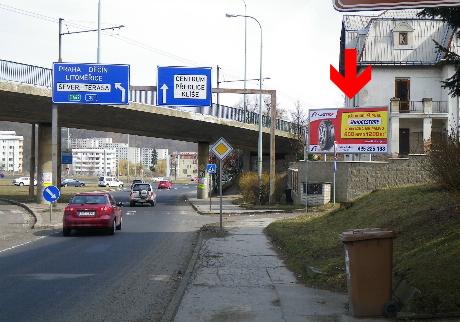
{"type": "Point", "coordinates": [51, 193]}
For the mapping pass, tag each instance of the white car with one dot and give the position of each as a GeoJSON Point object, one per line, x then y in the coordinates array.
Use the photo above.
{"type": "Point", "coordinates": [142, 193]}
{"type": "Point", "coordinates": [23, 181]}
{"type": "Point", "coordinates": [110, 182]}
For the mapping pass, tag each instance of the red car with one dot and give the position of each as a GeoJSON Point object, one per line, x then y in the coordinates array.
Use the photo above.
{"type": "Point", "coordinates": [165, 185]}
{"type": "Point", "coordinates": [92, 210]}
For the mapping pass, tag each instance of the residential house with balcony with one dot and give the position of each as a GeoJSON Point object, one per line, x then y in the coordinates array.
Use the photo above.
{"type": "Point", "coordinates": [407, 71]}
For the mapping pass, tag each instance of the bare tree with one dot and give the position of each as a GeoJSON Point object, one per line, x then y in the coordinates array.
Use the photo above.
{"type": "Point", "coordinates": [300, 119]}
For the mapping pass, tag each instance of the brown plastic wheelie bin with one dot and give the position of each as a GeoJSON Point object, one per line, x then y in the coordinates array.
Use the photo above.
{"type": "Point", "coordinates": [369, 265]}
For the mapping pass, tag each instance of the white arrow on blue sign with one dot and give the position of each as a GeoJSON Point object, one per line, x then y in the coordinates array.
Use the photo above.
{"type": "Point", "coordinates": [184, 86]}
{"type": "Point", "coordinates": [90, 84]}
{"type": "Point", "coordinates": [211, 168]}
{"type": "Point", "coordinates": [51, 193]}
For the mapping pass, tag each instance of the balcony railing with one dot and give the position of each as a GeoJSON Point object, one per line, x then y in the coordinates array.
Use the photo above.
{"type": "Point", "coordinates": [422, 107]}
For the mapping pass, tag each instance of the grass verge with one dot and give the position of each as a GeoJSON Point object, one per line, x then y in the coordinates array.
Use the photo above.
{"type": "Point", "coordinates": [426, 251]}
{"type": "Point", "coordinates": [21, 193]}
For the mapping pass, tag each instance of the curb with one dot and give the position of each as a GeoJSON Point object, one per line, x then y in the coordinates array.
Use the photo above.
{"type": "Point", "coordinates": [242, 212]}
{"type": "Point", "coordinates": [30, 211]}
{"type": "Point", "coordinates": [173, 306]}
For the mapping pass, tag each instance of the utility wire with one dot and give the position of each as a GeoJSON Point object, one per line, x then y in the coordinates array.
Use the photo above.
{"type": "Point", "coordinates": [130, 41]}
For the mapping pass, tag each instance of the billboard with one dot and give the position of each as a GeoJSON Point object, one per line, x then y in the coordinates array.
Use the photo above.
{"type": "Point", "coordinates": [354, 130]}
{"type": "Point", "coordinates": [360, 5]}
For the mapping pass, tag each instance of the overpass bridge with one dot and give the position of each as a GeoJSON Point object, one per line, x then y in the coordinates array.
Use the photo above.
{"type": "Point", "coordinates": [25, 96]}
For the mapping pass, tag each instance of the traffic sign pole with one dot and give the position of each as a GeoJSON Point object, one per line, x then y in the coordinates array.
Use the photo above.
{"type": "Point", "coordinates": [210, 193]}
{"type": "Point", "coordinates": [51, 194]}
{"type": "Point", "coordinates": [220, 192]}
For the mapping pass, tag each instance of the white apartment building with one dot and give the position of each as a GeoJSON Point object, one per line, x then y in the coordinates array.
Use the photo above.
{"type": "Point", "coordinates": [163, 154]}
{"type": "Point", "coordinates": [94, 161]}
{"type": "Point", "coordinates": [11, 151]}
{"type": "Point", "coordinates": [135, 155]}
{"type": "Point", "coordinates": [147, 153]}
{"type": "Point", "coordinates": [407, 68]}
{"type": "Point", "coordinates": [89, 143]}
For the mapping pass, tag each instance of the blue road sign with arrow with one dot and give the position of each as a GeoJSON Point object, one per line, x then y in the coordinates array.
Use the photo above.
{"type": "Point", "coordinates": [90, 84]}
{"type": "Point", "coordinates": [51, 193]}
{"type": "Point", "coordinates": [211, 168]}
{"type": "Point", "coordinates": [184, 86]}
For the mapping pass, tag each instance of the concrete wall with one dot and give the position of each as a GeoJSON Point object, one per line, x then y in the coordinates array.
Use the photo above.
{"type": "Point", "coordinates": [355, 179]}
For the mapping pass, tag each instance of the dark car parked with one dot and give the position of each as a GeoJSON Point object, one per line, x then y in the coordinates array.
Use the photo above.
{"type": "Point", "coordinates": [72, 183]}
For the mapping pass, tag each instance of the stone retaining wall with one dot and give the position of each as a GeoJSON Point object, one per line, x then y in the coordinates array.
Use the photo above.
{"type": "Point", "coordinates": [355, 179]}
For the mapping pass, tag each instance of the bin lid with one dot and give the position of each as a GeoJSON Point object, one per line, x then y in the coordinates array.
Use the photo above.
{"type": "Point", "coordinates": [366, 234]}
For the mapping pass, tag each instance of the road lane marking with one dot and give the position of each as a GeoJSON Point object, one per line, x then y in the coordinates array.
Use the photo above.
{"type": "Point", "coordinates": [160, 278]}
{"type": "Point", "coordinates": [19, 245]}
{"type": "Point", "coordinates": [54, 276]}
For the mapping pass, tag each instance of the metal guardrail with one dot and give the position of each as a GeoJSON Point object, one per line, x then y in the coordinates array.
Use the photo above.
{"type": "Point", "coordinates": [39, 76]}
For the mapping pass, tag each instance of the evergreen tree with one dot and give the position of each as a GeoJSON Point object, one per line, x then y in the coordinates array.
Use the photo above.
{"type": "Point", "coordinates": [154, 157]}
{"type": "Point", "coordinates": [452, 16]}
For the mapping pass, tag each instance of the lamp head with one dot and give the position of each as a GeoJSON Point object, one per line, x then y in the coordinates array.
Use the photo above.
{"type": "Point", "coordinates": [228, 15]}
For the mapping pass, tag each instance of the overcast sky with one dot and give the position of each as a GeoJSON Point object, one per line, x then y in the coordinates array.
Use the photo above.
{"type": "Point", "coordinates": [300, 38]}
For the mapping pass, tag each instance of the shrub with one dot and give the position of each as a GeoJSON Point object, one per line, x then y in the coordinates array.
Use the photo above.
{"type": "Point", "coordinates": [444, 163]}
{"type": "Point", "coordinates": [249, 187]}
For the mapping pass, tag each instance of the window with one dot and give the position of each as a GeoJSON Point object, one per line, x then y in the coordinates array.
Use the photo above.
{"type": "Point", "coordinates": [403, 39]}
{"type": "Point", "coordinates": [403, 36]}
{"type": "Point", "coordinates": [313, 188]}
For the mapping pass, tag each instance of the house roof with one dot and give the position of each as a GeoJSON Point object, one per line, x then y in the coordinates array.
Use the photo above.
{"type": "Point", "coordinates": [372, 36]}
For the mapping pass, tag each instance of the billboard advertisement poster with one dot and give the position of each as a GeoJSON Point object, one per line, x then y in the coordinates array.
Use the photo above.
{"type": "Point", "coordinates": [354, 130]}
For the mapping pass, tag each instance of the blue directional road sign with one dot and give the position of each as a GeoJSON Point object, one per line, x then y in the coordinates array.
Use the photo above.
{"type": "Point", "coordinates": [51, 193]}
{"type": "Point", "coordinates": [184, 86]}
{"type": "Point", "coordinates": [90, 84]}
{"type": "Point", "coordinates": [211, 168]}
{"type": "Point", "coordinates": [66, 158]}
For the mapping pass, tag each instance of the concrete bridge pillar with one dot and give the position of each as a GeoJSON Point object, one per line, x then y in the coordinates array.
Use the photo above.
{"type": "Point", "coordinates": [44, 165]}
{"type": "Point", "coordinates": [203, 178]}
{"type": "Point", "coordinates": [246, 161]}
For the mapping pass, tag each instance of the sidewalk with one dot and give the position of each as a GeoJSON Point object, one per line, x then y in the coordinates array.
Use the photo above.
{"type": "Point", "coordinates": [228, 207]}
{"type": "Point", "coordinates": [241, 278]}
{"type": "Point", "coordinates": [42, 213]}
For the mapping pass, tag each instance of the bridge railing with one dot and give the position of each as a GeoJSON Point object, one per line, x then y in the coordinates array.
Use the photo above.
{"type": "Point", "coordinates": [26, 74]}
{"type": "Point", "coordinates": [39, 76]}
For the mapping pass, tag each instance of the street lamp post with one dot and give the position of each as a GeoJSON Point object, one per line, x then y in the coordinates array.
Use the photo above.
{"type": "Point", "coordinates": [245, 59]}
{"type": "Point", "coordinates": [259, 154]}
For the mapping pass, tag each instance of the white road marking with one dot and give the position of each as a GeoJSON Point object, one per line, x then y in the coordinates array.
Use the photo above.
{"type": "Point", "coordinates": [54, 276]}
{"type": "Point", "coordinates": [23, 244]}
{"type": "Point", "coordinates": [160, 278]}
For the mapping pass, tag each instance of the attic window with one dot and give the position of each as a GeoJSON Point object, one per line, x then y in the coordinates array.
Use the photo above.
{"type": "Point", "coordinates": [403, 39]}
{"type": "Point", "coordinates": [403, 36]}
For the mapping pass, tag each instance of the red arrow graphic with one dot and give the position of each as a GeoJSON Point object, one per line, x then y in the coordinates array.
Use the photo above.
{"type": "Point", "coordinates": [351, 83]}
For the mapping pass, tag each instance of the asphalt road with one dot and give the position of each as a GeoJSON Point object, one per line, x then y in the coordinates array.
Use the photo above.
{"type": "Point", "coordinates": [89, 276]}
